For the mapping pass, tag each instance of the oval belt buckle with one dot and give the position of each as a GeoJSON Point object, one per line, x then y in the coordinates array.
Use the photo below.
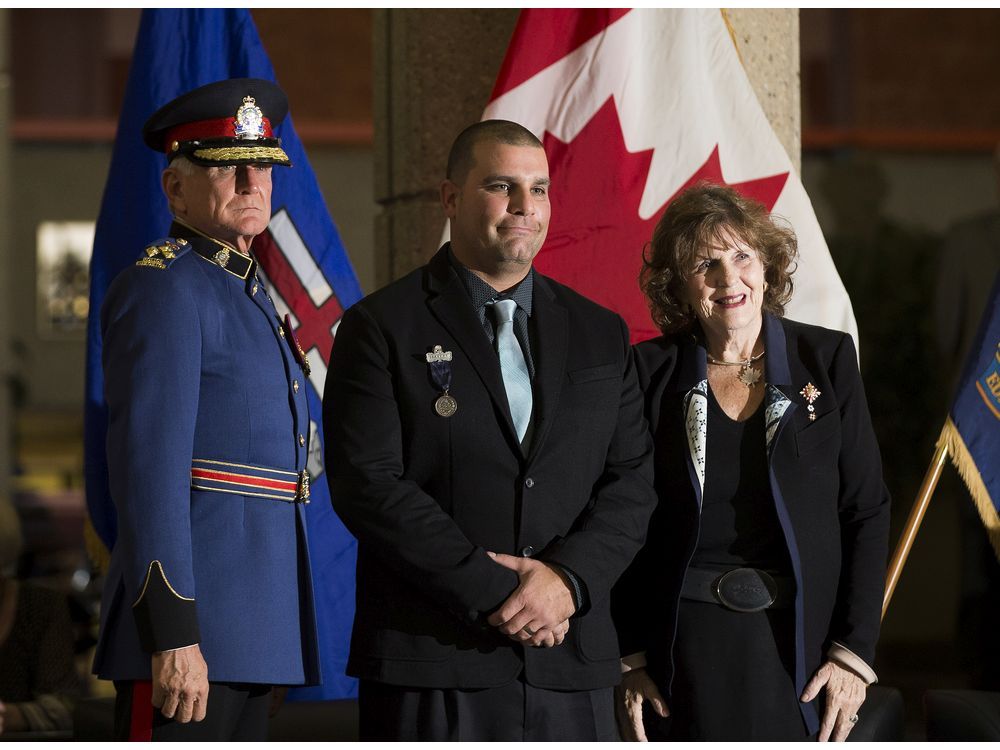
{"type": "Point", "coordinates": [745, 590]}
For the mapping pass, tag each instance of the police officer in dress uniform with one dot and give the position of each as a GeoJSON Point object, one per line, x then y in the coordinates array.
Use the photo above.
{"type": "Point", "coordinates": [208, 601]}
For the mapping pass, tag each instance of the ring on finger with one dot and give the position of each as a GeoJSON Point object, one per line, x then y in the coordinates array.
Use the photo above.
{"type": "Point", "coordinates": [528, 630]}
{"type": "Point", "coordinates": [853, 719]}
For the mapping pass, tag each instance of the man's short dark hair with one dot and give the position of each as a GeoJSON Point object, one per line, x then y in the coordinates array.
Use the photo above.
{"type": "Point", "coordinates": [460, 158]}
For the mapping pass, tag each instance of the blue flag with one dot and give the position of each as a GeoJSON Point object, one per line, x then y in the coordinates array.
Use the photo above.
{"type": "Point", "coordinates": [302, 257]}
{"type": "Point", "coordinates": [972, 432]}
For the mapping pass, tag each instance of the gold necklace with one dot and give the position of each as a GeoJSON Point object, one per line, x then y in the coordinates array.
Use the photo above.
{"type": "Point", "coordinates": [748, 375]}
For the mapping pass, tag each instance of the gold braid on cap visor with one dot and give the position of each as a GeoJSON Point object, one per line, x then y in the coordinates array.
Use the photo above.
{"type": "Point", "coordinates": [242, 152]}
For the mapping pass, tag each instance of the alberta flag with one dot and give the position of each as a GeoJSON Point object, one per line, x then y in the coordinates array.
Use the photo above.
{"type": "Point", "coordinates": [972, 431]}
{"type": "Point", "coordinates": [634, 106]}
{"type": "Point", "coordinates": [305, 265]}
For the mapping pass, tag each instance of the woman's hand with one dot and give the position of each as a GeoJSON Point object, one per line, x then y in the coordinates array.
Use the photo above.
{"type": "Point", "coordinates": [845, 692]}
{"type": "Point", "coordinates": [636, 688]}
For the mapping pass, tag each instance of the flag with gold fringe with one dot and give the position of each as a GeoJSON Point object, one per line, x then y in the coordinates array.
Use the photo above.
{"type": "Point", "coordinates": [972, 432]}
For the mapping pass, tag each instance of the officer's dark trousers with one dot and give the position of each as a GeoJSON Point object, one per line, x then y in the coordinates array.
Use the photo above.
{"type": "Point", "coordinates": [235, 712]}
{"type": "Point", "coordinates": [513, 712]}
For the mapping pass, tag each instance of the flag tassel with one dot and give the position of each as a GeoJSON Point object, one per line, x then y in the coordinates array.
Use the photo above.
{"type": "Point", "coordinates": [916, 517]}
{"type": "Point", "coordinates": [963, 461]}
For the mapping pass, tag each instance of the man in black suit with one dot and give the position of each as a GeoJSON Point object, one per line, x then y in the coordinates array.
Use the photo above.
{"type": "Point", "coordinates": [487, 448]}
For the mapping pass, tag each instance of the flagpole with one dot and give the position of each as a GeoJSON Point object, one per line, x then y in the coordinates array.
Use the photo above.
{"type": "Point", "coordinates": [913, 523]}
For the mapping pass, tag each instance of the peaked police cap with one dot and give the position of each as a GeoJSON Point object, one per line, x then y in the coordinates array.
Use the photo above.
{"type": "Point", "coordinates": [222, 123]}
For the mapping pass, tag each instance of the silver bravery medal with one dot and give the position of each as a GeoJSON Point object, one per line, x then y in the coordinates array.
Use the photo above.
{"type": "Point", "coordinates": [440, 369]}
{"type": "Point", "coordinates": [445, 405]}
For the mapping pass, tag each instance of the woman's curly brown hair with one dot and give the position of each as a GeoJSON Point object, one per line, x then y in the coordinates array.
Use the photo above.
{"type": "Point", "coordinates": [694, 220]}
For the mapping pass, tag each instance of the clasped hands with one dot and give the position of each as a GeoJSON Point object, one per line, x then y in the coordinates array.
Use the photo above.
{"type": "Point", "coordinates": [537, 612]}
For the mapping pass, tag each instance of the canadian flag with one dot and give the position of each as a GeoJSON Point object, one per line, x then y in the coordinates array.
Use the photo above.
{"type": "Point", "coordinates": [633, 106]}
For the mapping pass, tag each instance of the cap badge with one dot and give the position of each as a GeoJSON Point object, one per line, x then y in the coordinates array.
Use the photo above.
{"type": "Point", "coordinates": [249, 120]}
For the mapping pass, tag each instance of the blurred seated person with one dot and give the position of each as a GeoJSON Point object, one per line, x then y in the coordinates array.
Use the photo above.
{"type": "Point", "coordinates": [38, 681]}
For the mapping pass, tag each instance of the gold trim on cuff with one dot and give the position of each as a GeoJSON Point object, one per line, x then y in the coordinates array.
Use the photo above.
{"type": "Point", "coordinates": [145, 585]}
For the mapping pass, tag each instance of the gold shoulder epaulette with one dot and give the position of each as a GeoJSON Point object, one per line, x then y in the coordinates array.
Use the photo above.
{"type": "Point", "coordinates": [163, 252]}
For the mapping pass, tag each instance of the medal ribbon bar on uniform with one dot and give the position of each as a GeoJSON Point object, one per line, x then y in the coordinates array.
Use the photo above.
{"type": "Point", "coordinates": [258, 481]}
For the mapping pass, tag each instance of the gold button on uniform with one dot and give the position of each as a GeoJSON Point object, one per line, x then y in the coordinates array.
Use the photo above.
{"type": "Point", "coordinates": [295, 386]}
{"type": "Point", "coordinates": [281, 331]}
{"type": "Point", "coordinates": [253, 290]}
{"type": "Point", "coordinates": [302, 440]}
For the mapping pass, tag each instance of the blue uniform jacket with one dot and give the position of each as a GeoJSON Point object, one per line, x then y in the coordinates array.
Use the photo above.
{"type": "Point", "coordinates": [207, 439]}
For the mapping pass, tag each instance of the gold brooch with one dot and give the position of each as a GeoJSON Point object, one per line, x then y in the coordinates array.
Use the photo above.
{"type": "Point", "coordinates": [810, 393]}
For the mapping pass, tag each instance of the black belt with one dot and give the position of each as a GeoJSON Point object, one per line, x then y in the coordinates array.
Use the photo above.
{"type": "Point", "coordinates": [739, 589]}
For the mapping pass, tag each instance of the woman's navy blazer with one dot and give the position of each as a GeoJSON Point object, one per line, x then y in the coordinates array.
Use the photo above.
{"type": "Point", "coordinates": [825, 476]}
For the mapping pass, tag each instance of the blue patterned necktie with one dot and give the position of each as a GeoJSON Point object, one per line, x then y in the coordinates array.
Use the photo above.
{"type": "Point", "coordinates": [516, 380]}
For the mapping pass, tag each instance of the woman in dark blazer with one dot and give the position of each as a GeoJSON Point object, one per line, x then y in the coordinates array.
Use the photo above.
{"type": "Point", "coordinates": [760, 585]}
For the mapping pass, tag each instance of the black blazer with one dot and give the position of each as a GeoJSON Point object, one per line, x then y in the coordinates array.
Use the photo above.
{"type": "Point", "coordinates": [826, 478]}
{"type": "Point", "coordinates": [427, 495]}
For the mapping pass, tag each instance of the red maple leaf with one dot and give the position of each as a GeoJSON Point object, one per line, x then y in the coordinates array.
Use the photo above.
{"type": "Point", "coordinates": [596, 236]}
